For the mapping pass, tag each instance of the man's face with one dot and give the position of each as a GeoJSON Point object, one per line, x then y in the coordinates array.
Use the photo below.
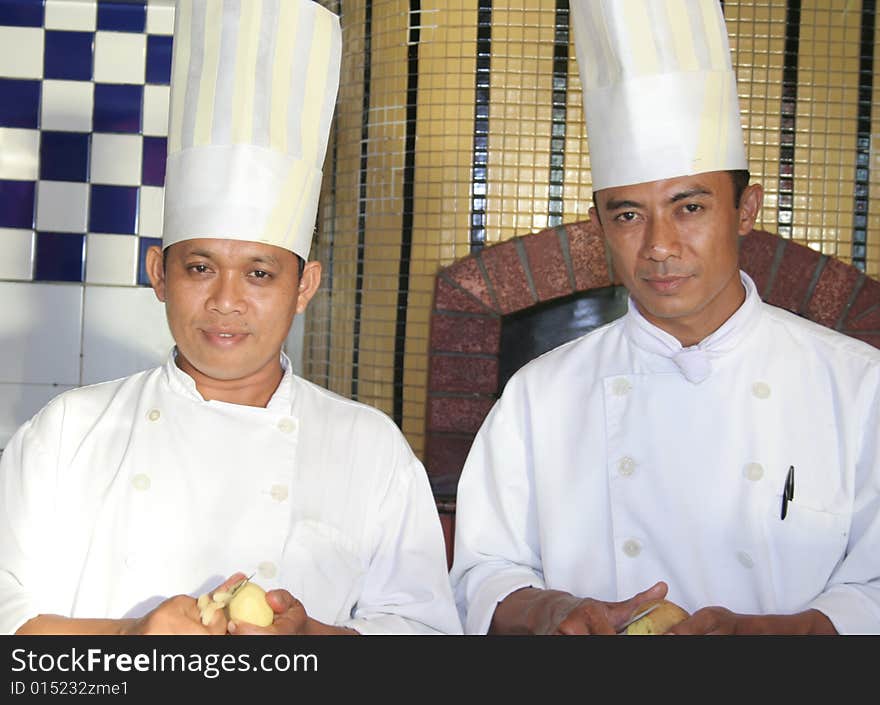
{"type": "Point", "coordinates": [674, 244]}
{"type": "Point", "coordinates": [230, 304]}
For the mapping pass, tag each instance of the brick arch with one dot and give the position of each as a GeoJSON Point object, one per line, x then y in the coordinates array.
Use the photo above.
{"type": "Point", "coordinates": [473, 294]}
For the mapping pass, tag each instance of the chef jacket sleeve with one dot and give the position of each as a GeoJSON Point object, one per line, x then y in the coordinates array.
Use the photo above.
{"type": "Point", "coordinates": [496, 536]}
{"type": "Point", "coordinates": [26, 503]}
{"type": "Point", "coordinates": [852, 598]}
{"type": "Point", "coordinates": [406, 589]}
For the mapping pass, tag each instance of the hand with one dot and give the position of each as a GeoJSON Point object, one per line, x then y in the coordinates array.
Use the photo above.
{"type": "Point", "coordinates": [176, 615]}
{"type": "Point", "coordinates": [718, 620]}
{"type": "Point", "coordinates": [589, 616]}
{"type": "Point", "coordinates": [180, 615]}
{"type": "Point", "coordinates": [290, 619]}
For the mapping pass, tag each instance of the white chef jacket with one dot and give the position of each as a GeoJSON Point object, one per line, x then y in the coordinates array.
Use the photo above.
{"type": "Point", "coordinates": [603, 469]}
{"type": "Point", "coordinates": [119, 495]}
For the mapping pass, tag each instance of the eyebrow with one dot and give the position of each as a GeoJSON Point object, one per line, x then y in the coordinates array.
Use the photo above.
{"type": "Point", "coordinates": [615, 204]}
{"type": "Point", "coordinates": [265, 259]}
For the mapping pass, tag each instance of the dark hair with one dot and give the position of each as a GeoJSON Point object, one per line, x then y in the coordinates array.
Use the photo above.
{"type": "Point", "coordinates": [740, 179]}
{"type": "Point", "coordinates": [300, 262]}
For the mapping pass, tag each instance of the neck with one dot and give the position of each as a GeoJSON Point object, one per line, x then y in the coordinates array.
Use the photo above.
{"type": "Point", "coordinates": [254, 390]}
{"type": "Point", "coordinates": [692, 329]}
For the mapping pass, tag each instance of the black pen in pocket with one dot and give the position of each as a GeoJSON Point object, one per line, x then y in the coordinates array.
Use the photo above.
{"type": "Point", "coordinates": [787, 492]}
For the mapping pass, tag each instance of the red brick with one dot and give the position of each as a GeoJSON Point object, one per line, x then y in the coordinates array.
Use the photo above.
{"type": "Point", "coordinates": [832, 292]}
{"type": "Point", "coordinates": [547, 265]}
{"type": "Point", "coordinates": [465, 334]}
{"type": "Point", "coordinates": [756, 252]}
{"type": "Point", "coordinates": [508, 277]}
{"type": "Point", "coordinates": [458, 414]}
{"type": "Point", "coordinates": [444, 458]}
{"type": "Point", "coordinates": [457, 373]}
{"type": "Point", "coordinates": [868, 321]}
{"type": "Point", "coordinates": [864, 306]}
{"type": "Point", "coordinates": [793, 279]}
{"type": "Point", "coordinates": [587, 248]}
{"type": "Point", "coordinates": [450, 298]}
{"type": "Point", "coordinates": [466, 273]}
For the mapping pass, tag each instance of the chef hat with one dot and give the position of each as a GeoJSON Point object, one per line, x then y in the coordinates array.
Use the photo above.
{"type": "Point", "coordinates": [659, 89]}
{"type": "Point", "coordinates": [253, 87]}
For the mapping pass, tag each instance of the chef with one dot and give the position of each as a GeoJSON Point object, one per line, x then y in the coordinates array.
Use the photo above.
{"type": "Point", "coordinates": [705, 448]}
{"type": "Point", "coordinates": [124, 501]}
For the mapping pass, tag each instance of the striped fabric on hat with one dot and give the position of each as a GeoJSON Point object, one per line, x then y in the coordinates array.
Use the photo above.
{"type": "Point", "coordinates": [659, 89]}
{"type": "Point", "coordinates": [253, 89]}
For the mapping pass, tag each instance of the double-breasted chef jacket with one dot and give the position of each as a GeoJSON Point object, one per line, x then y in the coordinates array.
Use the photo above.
{"type": "Point", "coordinates": [603, 468]}
{"type": "Point", "coordinates": [119, 495]}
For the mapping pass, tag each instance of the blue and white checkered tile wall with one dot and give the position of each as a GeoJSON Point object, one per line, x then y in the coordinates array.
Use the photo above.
{"type": "Point", "coordinates": [84, 91]}
{"type": "Point", "coordinates": [83, 118]}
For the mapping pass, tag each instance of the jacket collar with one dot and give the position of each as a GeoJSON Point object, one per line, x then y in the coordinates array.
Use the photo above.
{"type": "Point", "coordinates": [181, 383]}
{"type": "Point", "coordinates": [695, 362]}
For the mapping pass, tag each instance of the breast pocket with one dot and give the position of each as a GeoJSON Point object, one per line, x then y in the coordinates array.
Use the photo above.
{"type": "Point", "coordinates": [804, 549]}
{"type": "Point", "coordinates": [324, 571]}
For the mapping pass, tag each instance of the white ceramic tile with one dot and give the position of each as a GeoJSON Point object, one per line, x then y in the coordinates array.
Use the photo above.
{"type": "Point", "coordinates": [120, 57]}
{"type": "Point", "coordinates": [124, 331]}
{"type": "Point", "coordinates": [21, 52]}
{"type": "Point", "coordinates": [160, 17]}
{"type": "Point", "coordinates": [62, 206]}
{"type": "Point", "coordinates": [156, 102]}
{"type": "Point", "coordinates": [40, 335]}
{"type": "Point", "coordinates": [16, 254]}
{"type": "Point", "coordinates": [19, 154]}
{"type": "Point", "coordinates": [19, 402]}
{"type": "Point", "coordinates": [151, 208]}
{"type": "Point", "coordinates": [111, 259]}
{"type": "Point", "coordinates": [116, 159]}
{"type": "Point", "coordinates": [67, 106]}
{"type": "Point", "coordinates": [72, 15]}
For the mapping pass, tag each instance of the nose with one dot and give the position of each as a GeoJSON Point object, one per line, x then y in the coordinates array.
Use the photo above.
{"type": "Point", "coordinates": [660, 240]}
{"type": "Point", "coordinates": [227, 294]}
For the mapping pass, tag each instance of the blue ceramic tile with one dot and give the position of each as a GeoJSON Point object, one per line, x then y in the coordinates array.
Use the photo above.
{"type": "Point", "coordinates": [21, 13]}
{"type": "Point", "coordinates": [17, 203]}
{"type": "Point", "coordinates": [153, 163]}
{"type": "Point", "coordinates": [118, 108]}
{"type": "Point", "coordinates": [59, 257]}
{"type": "Point", "coordinates": [122, 16]}
{"type": "Point", "coordinates": [19, 103]}
{"type": "Point", "coordinates": [69, 55]}
{"type": "Point", "coordinates": [64, 156]}
{"type": "Point", "coordinates": [113, 209]}
{"type": "Point", "coordinates": [158, 59]}
{"type": "Point", "coordinates": [143, 245]}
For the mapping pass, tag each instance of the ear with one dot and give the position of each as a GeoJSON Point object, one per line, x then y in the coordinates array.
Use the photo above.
{"type": "Point", "coordinates": [308, 285]}
{"type": "Point", "coordinates": [156, 271]}
{"type": "Point", "coordinates": [749, 206]}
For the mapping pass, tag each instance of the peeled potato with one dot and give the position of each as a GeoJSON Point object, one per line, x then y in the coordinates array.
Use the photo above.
{"type": "Point", "coordinates": [667, 615]}
{"type": "Point", "coordinates": [249, 605]}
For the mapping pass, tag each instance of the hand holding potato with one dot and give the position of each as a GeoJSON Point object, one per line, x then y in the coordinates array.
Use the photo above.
{"type": "Point", "coordinates": [239, 600]}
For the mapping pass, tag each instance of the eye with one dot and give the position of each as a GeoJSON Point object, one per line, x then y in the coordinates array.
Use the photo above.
{"type": "Point", "coordinates": [693, 207]}
{"type": "Point", "coordinates": [260, 274]}
{"type": "Point", "coordinates": [625, 217]}
{"type": "Point", "coordinates": [198, 268]}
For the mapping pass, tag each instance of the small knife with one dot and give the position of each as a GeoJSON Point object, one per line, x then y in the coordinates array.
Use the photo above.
{"type": "Point", "coordinates": [636, 617]}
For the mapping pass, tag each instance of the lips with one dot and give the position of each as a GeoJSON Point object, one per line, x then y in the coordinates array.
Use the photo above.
{"type": "Point", "coordinates": [223, 337]}
{"type": "Point", "coordinates": [666, 284]}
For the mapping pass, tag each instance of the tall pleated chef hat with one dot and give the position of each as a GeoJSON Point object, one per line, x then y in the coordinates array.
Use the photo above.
{"type": "Point", "coordinates": [659, 89]}
{"type": "Point", "coordinates": [253, 88]}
